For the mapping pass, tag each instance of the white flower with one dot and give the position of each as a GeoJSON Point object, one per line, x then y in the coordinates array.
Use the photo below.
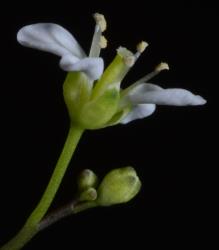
{"type": "Point", "coordinates": [135, 102]}
{"type": "Point", "coordinates": [55, 39]}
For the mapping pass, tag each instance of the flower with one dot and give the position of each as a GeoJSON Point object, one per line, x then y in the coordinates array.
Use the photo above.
{"type": "Point", "coordinates": [94, 97]}
{"type": "Point", "coordinates": [118, 186]}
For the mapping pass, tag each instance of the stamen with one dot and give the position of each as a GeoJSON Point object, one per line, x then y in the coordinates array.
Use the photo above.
{"type": "Point", "coordinates": [142, 46]}
{"type": "Point", "coordinates": [100, 21]}
{"type": "Point", "coordinates": [140, 49]}
{"type": "Point", "coordinates": [156, 71]}
{"type": "Point", "coordinates": [103, 42]}
{"type": "Point", "coordinates": [162, 66]}
{"type": "Point", "coordinates": [98, 41]}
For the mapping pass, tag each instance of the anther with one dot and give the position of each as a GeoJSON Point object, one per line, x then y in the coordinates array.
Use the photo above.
{"type": "Point", "coordinates": [100, 21]}
{"type": "Point", "coordinates": [162, 66]}
{"type": "Point", "coordinates": [103, 42]}
{"type": "Point", "coordinates": [140, 49]}
{"type": "Point", "coordinates": [142, 46]}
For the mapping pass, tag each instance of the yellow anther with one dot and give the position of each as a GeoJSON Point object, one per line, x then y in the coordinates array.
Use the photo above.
{"type": "Point", "coordinates": [142, 46]}
{"type": "Point", "coordinates": [103, 42]}
{"type": "Point", "coordinates": [101, 21]}
{"type": "Point", "coordinates": [162, 66]}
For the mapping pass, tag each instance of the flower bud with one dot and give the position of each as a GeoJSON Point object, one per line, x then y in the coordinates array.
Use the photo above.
{"type": "Point", "coordinates": [86, 180]}
{"type": "Point", "coordinates": [89, 194]}
{"type": "Point", "coordinates": [118, 186]}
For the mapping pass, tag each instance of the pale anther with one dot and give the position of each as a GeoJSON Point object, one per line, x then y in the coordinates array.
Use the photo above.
{"type": "Point", "coordinates": [100, 21]}
{"type": "Point", "coordinates": [103, 42]}
{"type": "Point", "coordinates": [142, 46]}
{"type": "Point", "coordinates": [162, 66]}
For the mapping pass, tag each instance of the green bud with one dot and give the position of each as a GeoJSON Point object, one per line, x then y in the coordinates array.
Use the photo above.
{"type": "Point", "coordinates": [86, 180]}
{"type": "Point", "coordinates": [89, 194]}
{"type": "Point", "coordinates": [118, 186]}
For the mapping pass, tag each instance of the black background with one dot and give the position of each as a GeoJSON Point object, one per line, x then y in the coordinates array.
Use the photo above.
{"type": "Point", "coordinates": [172, 150]}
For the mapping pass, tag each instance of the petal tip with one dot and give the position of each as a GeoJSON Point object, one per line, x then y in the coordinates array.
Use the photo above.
{"type": "Point", "coordinates": [20, 36]}
{"type": "Point", "coordinates": [199, 100]}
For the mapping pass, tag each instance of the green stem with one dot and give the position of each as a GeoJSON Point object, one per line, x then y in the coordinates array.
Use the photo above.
{"type": "Point", "coordinates": [31, 226]}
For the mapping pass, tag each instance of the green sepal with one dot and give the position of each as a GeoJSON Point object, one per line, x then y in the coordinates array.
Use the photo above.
{"type": "Point", "coordinates": [118, 116]}
{"type": "Point", "coordinates": [77, 91]}
{"type": "Point", "coordinates": [96, 113]}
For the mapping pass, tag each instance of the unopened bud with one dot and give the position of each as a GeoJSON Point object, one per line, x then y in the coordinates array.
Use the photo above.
{"type": "Point", "coordinates": [87, 179]}
{"type": "Point", "coordinates": [89, 194]}
{"type": "Point", "coordinates": [118, 186]}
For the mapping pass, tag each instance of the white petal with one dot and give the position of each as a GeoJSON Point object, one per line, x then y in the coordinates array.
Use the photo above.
{"type": "Point", "coordinates": [141, 88]}
{"type": "Point", "coordinates": [134, 90]}
{"type": "Point", "coordinates": [138, 112]}
{"type": "Point", "coordinates": [67, 61]}
{"type": "Point", "coordinates": [51, 38]}
{"type": "Point", "coordinates": [92, 67]}
{"type": "Point", "coordinates": [149, 93]}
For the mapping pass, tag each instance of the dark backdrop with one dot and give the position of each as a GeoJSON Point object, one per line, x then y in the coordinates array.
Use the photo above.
{"type": "Point", "coordinates": [172, 150]}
